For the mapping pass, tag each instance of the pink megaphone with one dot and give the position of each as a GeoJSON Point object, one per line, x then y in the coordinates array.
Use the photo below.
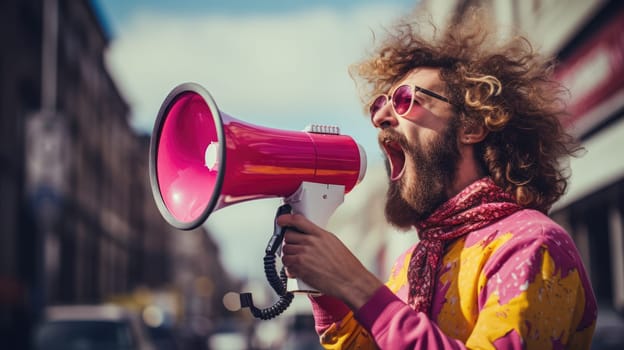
{"type": "Point", "coordinates": [202, 159]}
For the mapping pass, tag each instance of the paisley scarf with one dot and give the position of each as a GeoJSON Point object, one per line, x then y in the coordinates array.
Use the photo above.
{"type": "Point", "coordinates": [477, 206]}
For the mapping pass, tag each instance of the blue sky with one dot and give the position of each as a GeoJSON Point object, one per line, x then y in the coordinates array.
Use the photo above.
{"type": "Point", "coordinates": [278, 63]}
{"type": "Point", "coordinates": [117, 12]}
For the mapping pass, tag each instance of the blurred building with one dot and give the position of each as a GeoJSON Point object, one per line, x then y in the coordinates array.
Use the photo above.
{"type": "Point", "coordinates": [79, 224]}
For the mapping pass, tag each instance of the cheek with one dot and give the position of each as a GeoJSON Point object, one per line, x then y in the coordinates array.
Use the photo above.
{"type": "Point", "coordinates": [421, 138]}
{"type": "Point", "coordinates": [435, 120]}
{"type": "Point", "coordinates": [438, 125]}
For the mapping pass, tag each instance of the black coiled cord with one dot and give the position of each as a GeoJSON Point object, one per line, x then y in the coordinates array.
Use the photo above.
{"type": "Point", "coordinates": [277, 281]}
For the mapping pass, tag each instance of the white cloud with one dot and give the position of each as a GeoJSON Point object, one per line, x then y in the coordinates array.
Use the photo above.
{"type": "Point", "coordinates": [282, 70]}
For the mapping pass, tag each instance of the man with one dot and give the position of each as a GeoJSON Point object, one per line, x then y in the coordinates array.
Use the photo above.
{"type": "Point", "coordinates": [473, 141]}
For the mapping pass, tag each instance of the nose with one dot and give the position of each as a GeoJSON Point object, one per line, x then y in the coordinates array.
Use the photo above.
{"type": "Point", "coordinates": [384, 118]}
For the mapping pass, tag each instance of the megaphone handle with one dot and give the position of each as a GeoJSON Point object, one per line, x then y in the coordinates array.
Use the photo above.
{"type": "Point", "coordinates": [317, 202]}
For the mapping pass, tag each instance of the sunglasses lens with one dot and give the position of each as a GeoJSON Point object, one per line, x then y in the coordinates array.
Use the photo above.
{"type": "Point", "coordinates": [379, 102]}
{"type": "Point", "coordinates": [402, 99]}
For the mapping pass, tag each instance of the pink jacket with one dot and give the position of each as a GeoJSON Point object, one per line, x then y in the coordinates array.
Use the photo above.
{"type": "Point", "coordinates": [516, 284]}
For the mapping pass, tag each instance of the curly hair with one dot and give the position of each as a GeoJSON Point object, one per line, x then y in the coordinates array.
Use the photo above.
{"type": "Point", "coordinates": [505, 86]}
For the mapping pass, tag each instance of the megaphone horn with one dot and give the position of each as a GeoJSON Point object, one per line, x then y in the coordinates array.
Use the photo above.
{"type": "Point", "coordinates": [202, 159]}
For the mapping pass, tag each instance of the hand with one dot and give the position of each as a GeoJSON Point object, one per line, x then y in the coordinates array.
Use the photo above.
{"type": "Point", "coordinates": [320, 259]}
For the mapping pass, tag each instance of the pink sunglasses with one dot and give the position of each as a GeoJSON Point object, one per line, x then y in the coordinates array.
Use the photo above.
{"type": "Point", "coordinates": [402, 99]}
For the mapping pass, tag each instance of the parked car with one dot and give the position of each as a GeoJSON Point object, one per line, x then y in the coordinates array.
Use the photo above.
{"type": "Point", "coordinates": [91, 327]}
{"type": "Point", "coordinates": [609, 334]}
{"type": "Point", "coordinates": [164, 338]}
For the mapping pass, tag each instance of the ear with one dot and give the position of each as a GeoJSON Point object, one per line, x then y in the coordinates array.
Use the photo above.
{"type": "Point", "coordinates": [472, 133]}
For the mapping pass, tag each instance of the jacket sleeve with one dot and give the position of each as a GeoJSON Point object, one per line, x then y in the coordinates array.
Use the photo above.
{"type": "Point", "coordinates": [337, 327]}
{"type": "Point", "coordinates": [383, 320]}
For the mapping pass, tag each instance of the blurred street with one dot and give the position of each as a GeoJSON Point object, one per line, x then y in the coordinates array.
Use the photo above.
{"type": "Point", "coordinates": [87, 260]}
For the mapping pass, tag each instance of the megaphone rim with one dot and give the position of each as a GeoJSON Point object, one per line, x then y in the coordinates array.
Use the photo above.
{"type": "Point", "coordinates": [154, 142]}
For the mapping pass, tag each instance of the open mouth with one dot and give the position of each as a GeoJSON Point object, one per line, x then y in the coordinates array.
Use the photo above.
{"type": "Point", "coordinates": [396, 158]}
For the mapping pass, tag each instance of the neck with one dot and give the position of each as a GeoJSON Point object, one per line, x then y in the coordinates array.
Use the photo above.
{"type": "Point", "coordinates": [468, 171]}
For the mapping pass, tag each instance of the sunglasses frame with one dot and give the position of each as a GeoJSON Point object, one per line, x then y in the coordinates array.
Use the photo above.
{"type": "Point", "coordinates": [414, 89]}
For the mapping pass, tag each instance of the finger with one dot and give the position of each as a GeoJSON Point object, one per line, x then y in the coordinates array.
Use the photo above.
{"type": "Point", "coordinates": [284, 219]}
{"type": "Point", "coordinates": [300, 222]}
{"type": "Point", "coordinates": [295, 237]}
{"type": "Point", "coordinates": [289, 273]}
{"type": "Point", "coordinates": [291, 262]}
{"type": "Point", "coordinates": [292, 249]}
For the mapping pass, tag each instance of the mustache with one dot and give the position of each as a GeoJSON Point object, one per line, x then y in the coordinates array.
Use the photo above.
{"type": "Point", "coordinates": [389, 136]}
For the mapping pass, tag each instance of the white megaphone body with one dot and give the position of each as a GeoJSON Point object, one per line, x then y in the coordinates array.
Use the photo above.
{"type": "Point", "coordinates": [202, 160]}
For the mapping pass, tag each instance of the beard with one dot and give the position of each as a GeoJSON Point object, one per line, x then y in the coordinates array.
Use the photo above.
{"type": "Point", "coordinates": [433, 171]}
